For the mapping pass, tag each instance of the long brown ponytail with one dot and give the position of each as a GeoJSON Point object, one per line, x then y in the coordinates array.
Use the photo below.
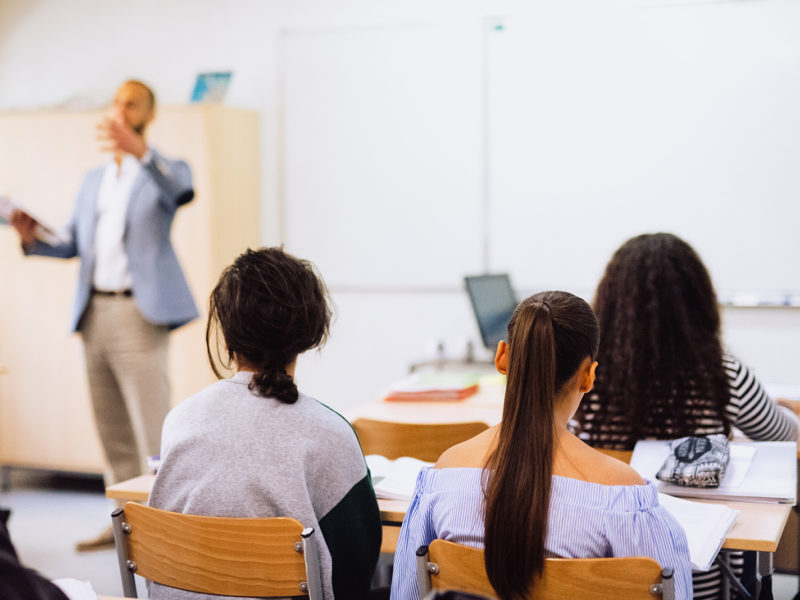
{"type": "Point", "coordinates": [550, 334]}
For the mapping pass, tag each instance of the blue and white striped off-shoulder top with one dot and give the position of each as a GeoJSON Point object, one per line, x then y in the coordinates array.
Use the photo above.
{"type": "Point", "coordinates": [587, 520]}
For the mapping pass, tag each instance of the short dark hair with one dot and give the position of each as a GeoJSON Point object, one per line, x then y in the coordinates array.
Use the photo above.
{"type": "Point", "coordinates": [271, 307]}
{"type": "Point", "coordinates": [151, 96]}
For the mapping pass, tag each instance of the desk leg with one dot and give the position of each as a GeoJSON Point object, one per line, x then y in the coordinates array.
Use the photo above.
{"type": "Point", "coordinates": [725, 591]}
{"type": "Point", "coordinates": [764, 576]}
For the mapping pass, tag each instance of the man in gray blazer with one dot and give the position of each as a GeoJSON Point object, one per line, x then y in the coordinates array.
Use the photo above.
{"type": "Point", "coordinates": [131, 290]}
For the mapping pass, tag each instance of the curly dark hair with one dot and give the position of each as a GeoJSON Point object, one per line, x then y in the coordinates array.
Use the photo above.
{"type": "Point", "coordinates": [271, 307]}
{"type": "Point", "coordinates": [660, 371]}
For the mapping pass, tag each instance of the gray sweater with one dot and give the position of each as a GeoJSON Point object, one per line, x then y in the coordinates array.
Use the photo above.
{"type": "Point", "coordinates": [228, 452]}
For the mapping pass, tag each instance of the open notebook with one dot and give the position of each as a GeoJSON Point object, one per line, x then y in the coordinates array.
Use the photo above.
{"type": "Point", "coordinates": [394, 479]}
{"type": "Point", "coordinates": [706, 527]}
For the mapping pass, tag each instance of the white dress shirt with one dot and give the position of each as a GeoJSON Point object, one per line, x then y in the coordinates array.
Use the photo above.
{"type": "Point", "coordinates": [111, 271]}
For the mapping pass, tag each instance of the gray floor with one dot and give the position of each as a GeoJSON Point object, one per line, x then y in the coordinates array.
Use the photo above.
{"type": "Point", "coordinates": [49, 513]}
{"type": "Point", "coordinates": [52, 512]}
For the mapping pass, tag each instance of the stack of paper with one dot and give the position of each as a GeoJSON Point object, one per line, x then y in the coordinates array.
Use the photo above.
{"type": "Point", "coordinates": [757, 472]}
{"type": "Point", "coordinates": [706, 527]}
{"type": "Point", "coordinates": [434, 386]}
{"type": "Point", "coordinates": [394, 479]}
{"type": "Point", "coordinates": [43, 232]}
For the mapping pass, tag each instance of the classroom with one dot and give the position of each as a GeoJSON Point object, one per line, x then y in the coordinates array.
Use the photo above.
{"type": "Point", "coordinates": [401, 147]}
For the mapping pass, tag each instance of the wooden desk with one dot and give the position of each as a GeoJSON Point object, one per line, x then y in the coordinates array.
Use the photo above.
{"type": "Point", "coordinates": [138, 490]}
{"type": "Point", "coordinates": [758, 527]}
{"type": "Point", "coordinates": [132, 490]}
{"type": "Point", "coordinates": [392, 511]}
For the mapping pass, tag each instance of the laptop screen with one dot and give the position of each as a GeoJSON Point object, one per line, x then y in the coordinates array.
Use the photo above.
{"type": "Point", "coordinates": [493, 303]}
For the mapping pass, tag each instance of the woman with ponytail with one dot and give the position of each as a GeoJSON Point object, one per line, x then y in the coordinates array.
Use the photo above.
{"type": "Point", "coordinates": [253, 445]}
{"type": "Point", "coordinates": [528, 489]}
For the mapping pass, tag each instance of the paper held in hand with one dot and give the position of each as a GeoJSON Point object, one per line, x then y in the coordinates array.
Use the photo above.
{"type": "Point", "coordinates": [44, 233]}
{"type": "Point", "coordinates": [757, 472]}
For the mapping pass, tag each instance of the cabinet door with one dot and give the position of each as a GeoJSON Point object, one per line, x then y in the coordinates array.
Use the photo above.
{"type": "Point", "coordinates": [45, 413]}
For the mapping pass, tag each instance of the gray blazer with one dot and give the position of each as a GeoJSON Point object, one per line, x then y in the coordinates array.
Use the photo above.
{"type": "Point", "coordinates": [159, 286]}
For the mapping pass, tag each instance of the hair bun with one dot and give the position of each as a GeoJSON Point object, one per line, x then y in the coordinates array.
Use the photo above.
{"type": "Point", "coordinates": [275, 383]}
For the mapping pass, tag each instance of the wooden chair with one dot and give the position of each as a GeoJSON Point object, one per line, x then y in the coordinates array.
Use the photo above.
{"type": "Point", "coordinates": [216, 555]}
{"type": "Point", "coordinates": [448, 566]}
{"type": "Point", "coordinates": [623, 455]}
{"type": "Point", "coordinates": [425, 441]}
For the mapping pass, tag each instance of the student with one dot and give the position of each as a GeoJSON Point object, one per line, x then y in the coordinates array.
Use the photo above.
{"type": "Point", "coordinates": [252, 445]}
{"type": "Point", "coordinates": [527, 488]}
{"type": "Point", "coordinates": [663, 372]}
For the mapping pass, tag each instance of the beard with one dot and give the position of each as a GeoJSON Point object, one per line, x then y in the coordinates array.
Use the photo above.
{"type": "Point", "coordinates": [139, 128]}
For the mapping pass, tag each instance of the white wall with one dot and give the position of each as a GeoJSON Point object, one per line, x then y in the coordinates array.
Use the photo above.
{"type": "Point", "coordinates": [54, 52]}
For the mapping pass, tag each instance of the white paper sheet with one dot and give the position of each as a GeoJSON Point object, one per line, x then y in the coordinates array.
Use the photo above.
{"type": "Point", "coordinates": [394, 479]}
{"type": "Point", "coordinates": [706, 527]}
{"type": "Point", "coordinates": [75, 589]}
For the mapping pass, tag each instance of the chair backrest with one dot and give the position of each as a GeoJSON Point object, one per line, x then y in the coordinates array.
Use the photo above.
{"type": "Point", "coordinates": [448, 566]}
{"type": "Point", "coordinates": [424, 441]}
{"type": "Point", "coordinates": [216, 555]}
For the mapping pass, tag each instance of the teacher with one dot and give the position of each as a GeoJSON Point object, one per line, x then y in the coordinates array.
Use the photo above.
{"type": "Point", "coordinates": [131, 290]}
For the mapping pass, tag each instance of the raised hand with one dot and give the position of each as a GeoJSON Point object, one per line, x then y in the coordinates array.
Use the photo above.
{"type": "Point", "coordinates": [118, 137]}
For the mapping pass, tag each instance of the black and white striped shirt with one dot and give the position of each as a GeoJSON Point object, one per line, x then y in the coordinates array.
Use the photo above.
{"type": "Point", "coordinates": [752, 411]}
{"type": "Point", "coordinates": [749, 409]}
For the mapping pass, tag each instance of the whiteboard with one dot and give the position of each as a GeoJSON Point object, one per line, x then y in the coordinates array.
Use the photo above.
{"type": "Point", "coordinates": [607, 124]}
{"type": "Point", "coordinates": [383, 172]}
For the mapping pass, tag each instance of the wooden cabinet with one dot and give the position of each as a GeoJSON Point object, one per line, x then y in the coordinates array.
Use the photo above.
{"type": "Point", "coordinates": [45, 412]}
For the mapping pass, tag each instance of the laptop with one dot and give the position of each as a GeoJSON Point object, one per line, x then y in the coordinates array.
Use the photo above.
{"type": "Point", "coordinates": [493, 303]}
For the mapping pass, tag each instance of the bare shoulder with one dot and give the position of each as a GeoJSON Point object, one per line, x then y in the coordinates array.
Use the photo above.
{"type": "Point", "coordinates": [471, 453]}
{"type": "Point", "coordinates": [616, 472]}
{"type": "Point", "coordinates": [592, 465]}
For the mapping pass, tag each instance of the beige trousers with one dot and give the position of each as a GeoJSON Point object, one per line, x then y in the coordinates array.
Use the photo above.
{"type": "Point", "coordinates": [126, 361]}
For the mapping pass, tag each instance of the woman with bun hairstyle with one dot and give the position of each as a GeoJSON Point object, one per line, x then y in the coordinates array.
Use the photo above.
{"type": "Point", "coordinates": [664, 372]}
{"type": "Point", "coordinates": [528, 489]}
{"type": "Point", "coordinates": [253, 445]}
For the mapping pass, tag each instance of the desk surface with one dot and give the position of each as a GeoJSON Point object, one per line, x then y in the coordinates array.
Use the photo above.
{"type": "Point", "coordinates": [759, 526]}
{"type": "Point", "coordinates": [486, 406]}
